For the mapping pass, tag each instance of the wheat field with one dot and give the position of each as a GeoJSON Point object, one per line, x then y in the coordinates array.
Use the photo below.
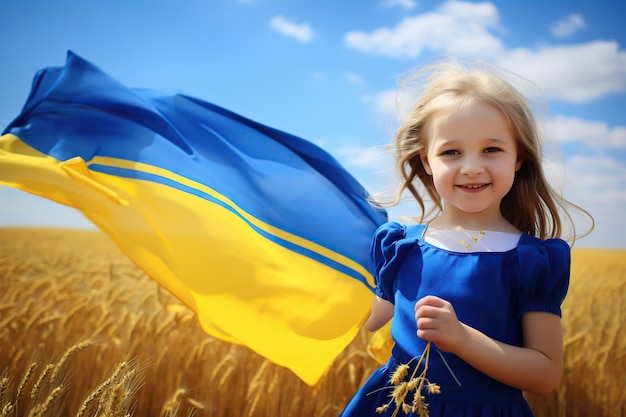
{"type": "Point", "coordinates": [83, 332]}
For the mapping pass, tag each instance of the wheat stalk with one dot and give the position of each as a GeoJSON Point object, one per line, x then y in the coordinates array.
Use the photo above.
{"type": "Point", "coordinates": [171, 407]}
{"type": "Point", "coordinates": [401, 387]}
{"type": "Point", "coordinates": [41, 410]}
{"type": "Point", "coordinates": [25, 379]}
{"type": "Point", "coordinates": [6, 410]}
{"type": "Point", "coordinates": [101, 388]}
{"type": "Point", "coordinates": [68, 353]}
{"type": "Point", "coordinates": [255, 389]}
{"type": "Point", "coordinates": [42, 377]}
{"type": "Point", "coordinates": [4, 382]}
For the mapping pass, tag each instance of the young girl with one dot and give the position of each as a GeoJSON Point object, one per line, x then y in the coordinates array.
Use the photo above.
{"type": "Point", "coordinates": [475, 292]}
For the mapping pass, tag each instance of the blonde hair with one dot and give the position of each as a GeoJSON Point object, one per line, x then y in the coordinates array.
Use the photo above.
{"type": "Point", "coordinates": [532, 205]}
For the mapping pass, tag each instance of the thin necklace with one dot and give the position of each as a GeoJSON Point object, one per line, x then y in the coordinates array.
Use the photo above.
{"type": "Point", "coordinates": [475, 238]}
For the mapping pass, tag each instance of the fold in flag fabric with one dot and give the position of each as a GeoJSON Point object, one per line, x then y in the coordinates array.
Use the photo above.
{"type": "Point", "coordinates": [262, 234]}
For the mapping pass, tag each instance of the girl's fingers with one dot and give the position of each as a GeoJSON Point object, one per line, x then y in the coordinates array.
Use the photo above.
{"type": "Point", "coordinates": [427, 324]}
{"type": "Point", "coordinates": [427, 311]}
{"type": "Point", "coordinates": [430, 300]}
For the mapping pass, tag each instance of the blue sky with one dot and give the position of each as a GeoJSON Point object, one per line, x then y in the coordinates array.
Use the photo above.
{"type": "Point", "coordinates": [327, 70]}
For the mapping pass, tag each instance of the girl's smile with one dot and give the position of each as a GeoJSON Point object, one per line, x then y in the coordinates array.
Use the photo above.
{"type": "Point", "coordinates": [473, 187]}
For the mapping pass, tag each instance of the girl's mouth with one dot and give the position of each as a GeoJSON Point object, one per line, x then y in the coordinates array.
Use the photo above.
{"type": "Point", "coordinates": [473, 187]}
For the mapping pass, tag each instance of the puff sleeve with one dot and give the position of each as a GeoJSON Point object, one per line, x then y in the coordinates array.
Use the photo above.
{"type": "Point", "coordinates": [544, 272]}
{"type": "Point", "coordinates": [385, 258]}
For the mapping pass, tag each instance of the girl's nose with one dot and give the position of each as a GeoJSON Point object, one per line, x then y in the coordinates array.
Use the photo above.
{"type": "Point", "coordinates": [472, 166]}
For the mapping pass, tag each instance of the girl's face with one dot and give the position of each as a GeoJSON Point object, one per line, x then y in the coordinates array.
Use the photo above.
{"type": "Point", "coordinates": [472, 156]}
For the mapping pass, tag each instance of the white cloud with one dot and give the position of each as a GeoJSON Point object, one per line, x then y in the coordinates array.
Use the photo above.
{"type": "Point", "coordinates": [385, 103]}
{"type": "Point", "coordinates": [598, 183]}
{"type": "Point", "coordinates": [372, 166]}
{"type": "Point", "coordinates": [301, 32]}
{"type": "Point", "coordinates": [456, 27]}
{"type": "Point", "coordinates": [392, 104]}
{"type": "Point", "coordinates": [363, 157]}
{"type": "Point", "coordinates": [389, 107]}
{"type": "Point", "coordinates": [567, 26]}
{"type": "Point", "coordinates": [617, 137]}
{"type": "Point", "coordinates": [596, 134]}
{"type": "Point", "coordinates": [575, 73]}
{"type": "Point", "coordinates": [405, 4]}
{"type": "Point", "coordinates": [559, 72]}
{"type": "Point", "coordinates": [597, 171]}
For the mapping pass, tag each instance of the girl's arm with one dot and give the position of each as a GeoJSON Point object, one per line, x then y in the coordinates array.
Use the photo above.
{"type": "Point", "coordinates": [382, 312]}
{"type": "Point", "coordinates": [536, 367]}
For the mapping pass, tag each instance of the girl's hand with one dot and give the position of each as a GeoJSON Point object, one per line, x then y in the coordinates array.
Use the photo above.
{"type": "Point", "coordinates": [437, 322]}
{"type": "Point", "coordinates": [535, 367]}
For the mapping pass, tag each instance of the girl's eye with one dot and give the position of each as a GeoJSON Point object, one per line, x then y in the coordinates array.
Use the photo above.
{"type": "Point", "coordinates": [450, 152]}
{"type": "Point", "coordinates": [492, 149]}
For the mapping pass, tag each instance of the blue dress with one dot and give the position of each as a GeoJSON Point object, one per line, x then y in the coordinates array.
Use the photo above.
{"type": "Point", "coordinates": [489, 291]}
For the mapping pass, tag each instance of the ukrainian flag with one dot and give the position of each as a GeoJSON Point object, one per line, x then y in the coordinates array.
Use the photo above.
{"type": "Point", "coordinates": [264, 235]}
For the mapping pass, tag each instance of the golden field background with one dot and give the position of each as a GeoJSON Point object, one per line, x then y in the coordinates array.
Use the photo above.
{"type": "Point", "coordinates": [83, 332]}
